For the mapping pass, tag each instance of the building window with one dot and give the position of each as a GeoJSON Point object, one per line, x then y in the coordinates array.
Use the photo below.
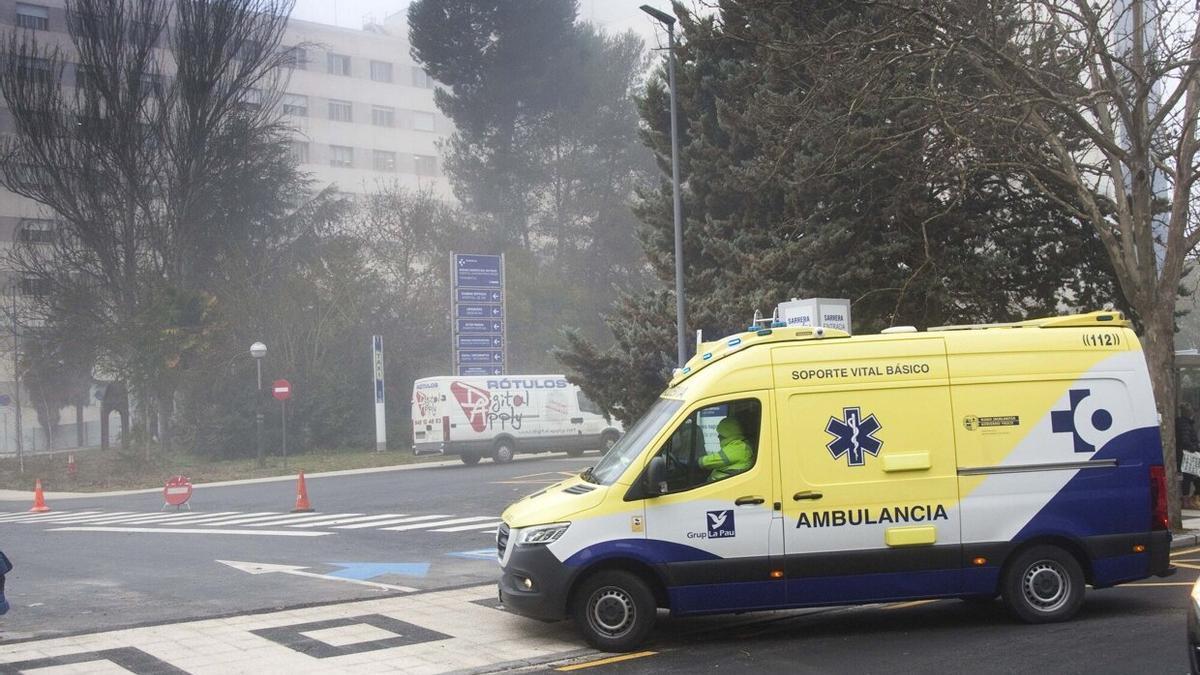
{"type": "Point", "coordinates": [422, 121]}
{"type": "Point", "coordinates": [36, 17]}
{"type": "Point", "coordinates": [381, 71]}
{"type": "Point", "coordinates": [35, 231]}
{"type": "Point", "coordinates": [421, 79]}
{"type": "Point", "coordinates": [295, 104]}
{"type": "Point", "coordinates": [341, 156]}
{"type": "Point", "coordinates": [251, 99]}
{"type": "Point", "coordinates": [298, 150]}
{"type": "Point", "coordinates": [383, 116]}
{"type": "Point", "coordinates": [35, 286]}
{"type": "Point", "coordinates": [425, 165]}
{"type": "Point", "coordinates": [341, 111]}
{"type": "Point", "coordinates": [385, 161]}
{"type": "Point", "coordinates": [339, 64]}
{"type": "Point", "coordinates": [297, 58]}
{"type": "Point", "coordinates": [35, 69]}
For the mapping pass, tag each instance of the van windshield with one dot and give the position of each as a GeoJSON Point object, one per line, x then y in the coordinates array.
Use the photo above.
{"type": "Point", "coordinates": [618, 458]}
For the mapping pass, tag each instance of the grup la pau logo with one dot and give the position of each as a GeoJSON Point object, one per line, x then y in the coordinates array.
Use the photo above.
{"type": "Point", "coordinates": [854, 436]}
{"type": "Point", "coordinates": [720, 524]}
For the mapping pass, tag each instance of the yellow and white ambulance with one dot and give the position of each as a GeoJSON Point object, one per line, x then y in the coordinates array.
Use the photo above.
{"type": "Point", "coordinates": [1021, 460]}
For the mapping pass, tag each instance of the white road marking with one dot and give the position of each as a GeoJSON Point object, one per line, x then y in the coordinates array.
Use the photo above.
{"type": "Point", "coordinates": [246, 518]}
{"type": "Point", "coordinates": [214, 519]}
{"type": "Point", "coordinates": [294, 518]}
{"type": "Point", "coordinates": [456, 521]}
{"type": "Point", "coordinates": [266, 568]}
{"type": "Point", "coordinates": [464, 528]}
{"type": "Point", "coordinates": [46, 517]}
{"type": "Point", "coordinates": [114, 517]}
{"type": "Point", "coordinates": [184, 530]}
{"type": "Point", "coordinates": [172, 518]}
{"type": "Point", "coordinates": [337, 520]}
{"type": "Point", "coordinates": [409, 519]}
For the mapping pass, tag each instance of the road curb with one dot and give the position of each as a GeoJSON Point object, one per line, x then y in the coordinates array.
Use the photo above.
{"type": "Point", "coordinates": [1185, 539]}
{"type": "Point", "coordinates": [24, 495]}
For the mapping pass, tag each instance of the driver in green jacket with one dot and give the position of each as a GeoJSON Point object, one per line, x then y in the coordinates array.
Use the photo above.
{"type": "Point", "coordinates": [735, 455]}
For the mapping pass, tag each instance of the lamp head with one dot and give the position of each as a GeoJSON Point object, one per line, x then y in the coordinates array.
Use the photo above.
{"type": "Point", "coordinates": [661, 16]}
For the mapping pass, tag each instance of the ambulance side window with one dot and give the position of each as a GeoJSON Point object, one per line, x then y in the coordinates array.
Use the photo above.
{"type": "Point", "coordinates": [714, 443]}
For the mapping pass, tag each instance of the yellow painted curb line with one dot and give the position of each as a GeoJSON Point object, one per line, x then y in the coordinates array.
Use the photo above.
{"type": "Point", "coordinates": [604, 662]}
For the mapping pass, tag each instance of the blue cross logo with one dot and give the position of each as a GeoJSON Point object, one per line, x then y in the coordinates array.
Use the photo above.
{"type": "Point", "coordinates": [1063, 421]}
{"type": "Point", "coordinates": [854, 436]}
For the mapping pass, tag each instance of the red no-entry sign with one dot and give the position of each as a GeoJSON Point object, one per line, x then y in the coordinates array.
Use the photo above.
{"type": "Point", "coordinates": [281, 390]}
{"type": "Point", "coordinates": [177, 491]}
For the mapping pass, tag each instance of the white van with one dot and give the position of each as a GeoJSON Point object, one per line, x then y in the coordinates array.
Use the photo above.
{"type": "Point", "coordinates": [499, 416]}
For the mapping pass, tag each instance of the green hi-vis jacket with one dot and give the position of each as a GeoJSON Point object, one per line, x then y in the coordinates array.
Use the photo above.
{"type": "Point", "coordinates": [735, 455]}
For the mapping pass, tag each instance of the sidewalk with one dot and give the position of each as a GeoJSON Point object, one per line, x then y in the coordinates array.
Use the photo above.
{"type": "Point", "coordinates": [1191, 534]}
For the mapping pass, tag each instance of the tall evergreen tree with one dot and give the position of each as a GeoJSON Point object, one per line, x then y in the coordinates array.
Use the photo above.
{"type": "Point", "coordinates": [798, 184]}
{"type": "Point", "coordinates": [545, 153]}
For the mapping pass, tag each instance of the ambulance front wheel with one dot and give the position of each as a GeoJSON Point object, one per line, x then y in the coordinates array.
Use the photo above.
{"type": "Point", "coordinates": [1043, 584]}
{"type": "Point", "coordinates": [503, 452]}
{"type": "Point", "coordinates": [615, 610]}
{"type": "Point", "coordinates": [469, 458]}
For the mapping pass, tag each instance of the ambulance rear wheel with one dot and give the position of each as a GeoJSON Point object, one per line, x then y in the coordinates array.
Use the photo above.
{"type": "Point", "coordinates": [469, 458]}
{"type": "Point", "coordinates": [503, 452]}
{"type": "Point", "coordinates": [614, 610]}
{"type": "Point", "coordinates": [1043, 585]}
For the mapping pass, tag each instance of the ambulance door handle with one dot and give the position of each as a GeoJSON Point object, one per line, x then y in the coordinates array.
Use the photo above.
{"type": "Point", "coordinates": [748, 501]}
{"type": "Point", "coordinates": [806, 494]}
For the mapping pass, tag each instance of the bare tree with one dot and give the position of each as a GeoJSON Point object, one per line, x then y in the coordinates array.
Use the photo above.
{"type": "Point", "coordinates": [1094, 102]}
{"type": "Point", "coordinates": [152, 164]}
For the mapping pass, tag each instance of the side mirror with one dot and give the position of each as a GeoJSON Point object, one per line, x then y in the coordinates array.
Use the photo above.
{"type": "Point", "coordinates": [656, 477]}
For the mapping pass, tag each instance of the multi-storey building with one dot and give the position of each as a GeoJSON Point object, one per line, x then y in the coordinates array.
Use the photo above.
{"type": "Point", "coordinates": [363, 113]}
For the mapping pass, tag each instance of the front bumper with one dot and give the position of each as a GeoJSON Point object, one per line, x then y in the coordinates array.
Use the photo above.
{"type": "Point", "coordinates": [551, 583]}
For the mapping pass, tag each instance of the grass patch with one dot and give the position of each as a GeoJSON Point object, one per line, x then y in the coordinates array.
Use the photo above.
{"type": "Point", "coordinates": [98, 471]}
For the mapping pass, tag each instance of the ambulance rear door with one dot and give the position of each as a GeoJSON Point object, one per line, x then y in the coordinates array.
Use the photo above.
{"type": "Point", "coordinates": [868, 470]}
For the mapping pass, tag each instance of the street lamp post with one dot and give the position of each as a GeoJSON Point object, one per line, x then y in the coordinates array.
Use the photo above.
{"type": "Point", "coordinates": [680, 313]}
{"type": "Point", "coordinates": [258, 350]}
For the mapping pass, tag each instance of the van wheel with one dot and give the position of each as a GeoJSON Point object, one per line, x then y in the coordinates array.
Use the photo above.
{"type": "Point", "coordinates": [503, 452]}
{"type": "Point", "coordinates": [469, 458]}
{"type": "Point", "coordinates": [614, 610]}
{"type": "Point", "coordinates": [1043, 585]}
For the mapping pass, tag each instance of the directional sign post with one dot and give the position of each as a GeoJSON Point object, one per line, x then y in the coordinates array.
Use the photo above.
{"type": "Point", "coordinates": [380, 413]}
{"type": "Point", "coordinates": [478, 343]}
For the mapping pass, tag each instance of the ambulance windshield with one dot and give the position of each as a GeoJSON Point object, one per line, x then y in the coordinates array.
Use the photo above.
{"type": "Point", "coordinates": [614, 463]}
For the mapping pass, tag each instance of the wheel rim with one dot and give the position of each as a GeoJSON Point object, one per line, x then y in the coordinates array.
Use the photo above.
{"type": "Point", "coordinates": [1046, 585]}
{"type": "Point", "coordinates": [609, 442]}
{"type": "Point", "coordinates": [611, 612]}
{"type": "Point", "coordinates": [504, 453]}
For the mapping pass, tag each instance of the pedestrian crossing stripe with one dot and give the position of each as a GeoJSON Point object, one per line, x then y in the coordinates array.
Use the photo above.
{"type": "Point", "coordinates": [442, 523]}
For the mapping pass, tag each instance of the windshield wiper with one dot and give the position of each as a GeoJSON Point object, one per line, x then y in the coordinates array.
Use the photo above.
{"type": "Point", "coordinates": [588, 476]}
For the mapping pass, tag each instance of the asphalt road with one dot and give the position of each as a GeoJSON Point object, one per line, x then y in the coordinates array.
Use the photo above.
{"type": "Point", "coordinates": [69, 581]}
{"type": "Point", "coordinates": [1138, 628]}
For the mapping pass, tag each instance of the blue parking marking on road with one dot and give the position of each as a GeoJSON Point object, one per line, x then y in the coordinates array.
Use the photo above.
{"type": "Point", "coordinates": [364, 571]}
{"type": "Point", "coordinates": [479, 554]}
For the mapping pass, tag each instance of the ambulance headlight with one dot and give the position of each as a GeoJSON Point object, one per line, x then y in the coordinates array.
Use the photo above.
{"type": "Point", "coordinates": [542, 534]}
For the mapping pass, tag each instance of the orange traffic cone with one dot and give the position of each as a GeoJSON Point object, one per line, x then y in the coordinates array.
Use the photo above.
{"type": "Point", "coordinates": [39, 499]}
{"type": "Point", "coordinates": [302, 504]}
